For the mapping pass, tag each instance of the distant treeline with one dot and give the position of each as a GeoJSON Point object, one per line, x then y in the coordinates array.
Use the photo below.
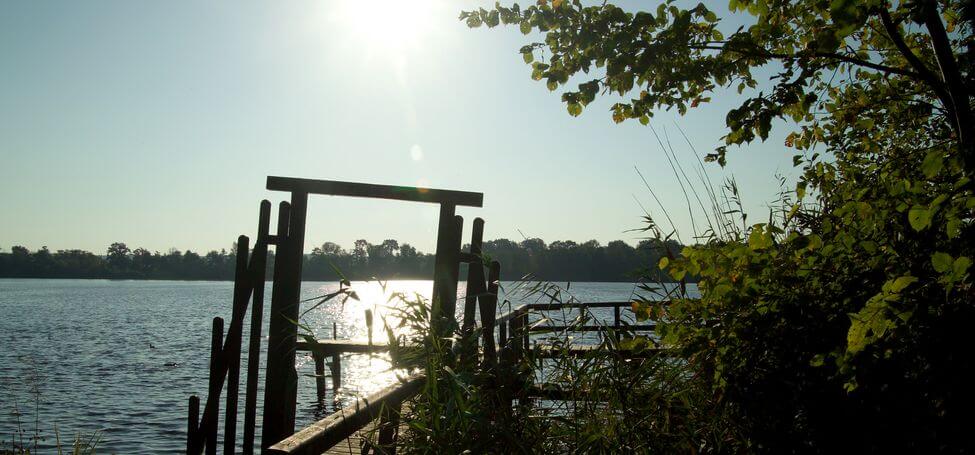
{"type": "Point", "coordinates": [558, 261]}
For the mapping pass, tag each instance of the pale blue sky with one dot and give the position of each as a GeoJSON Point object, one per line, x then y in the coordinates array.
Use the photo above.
{"type": "Point", "coordinates": [156, 123]}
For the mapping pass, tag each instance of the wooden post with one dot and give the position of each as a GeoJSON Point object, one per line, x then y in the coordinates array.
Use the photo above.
{"type": "Point", "coordinates": [475, 277]}
{"type": "Point", "coordinates": [336, 366]}
{"type": "Point", "coordinates": [445, 260]}
{"type": "Point", "coordinates": [192, 425]}
{"type": "Point", "coordinates": [257, 271]}
{"type": "Point", "coordinates": [216, 380]}
{"type": "Point", "coordinates": [502, 335]}
{"type": "Point", "coordinates": [489, 309]}
{"type": "Point", "coordinates": [319, 375]}
{"type": "Point", "coordinates": [232, 350]}
{"type": "Point", "coordinates": [616, 316]}
{"type": "Point", "coordinates": [276, 408]}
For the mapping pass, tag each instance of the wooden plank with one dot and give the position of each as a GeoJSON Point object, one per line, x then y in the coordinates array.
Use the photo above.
{"type": "Point", "coordinates": [326, 433]}
{"type": "Point", "coordinates": [354, 189]}
{"type": "Point", "coordinates": [257, 269]}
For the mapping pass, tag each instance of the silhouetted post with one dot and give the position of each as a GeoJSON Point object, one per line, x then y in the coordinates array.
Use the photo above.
{"type": "Point", "coordinates": [503, 335]}
{"type": "Point", "coordinates": [216, 383]}
{"type": "Point", "coordinates": [232, 350]}
{"type": "Point", "coordinates": [258, 266]}
{"type": "Point", "coordinates": [336, 366]}
{"type": "Point", "coordinates": [319, 375]}
{"type": "Point", "coordinates": [193, 425]}
{"type": "Point", "coordinates": [276, 407]}
{"type": "Point", "coordinates": [489, 309]}
{"type": "Point", "coordinates": [616, 316]}
{"type": "Point", "coordinates": [446, 259]}
{"type": "Point", "coordinates": [475, 277]}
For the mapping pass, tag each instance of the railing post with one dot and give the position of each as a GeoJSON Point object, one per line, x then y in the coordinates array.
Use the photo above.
{"type": "Point", "coordinates": [616, 316]}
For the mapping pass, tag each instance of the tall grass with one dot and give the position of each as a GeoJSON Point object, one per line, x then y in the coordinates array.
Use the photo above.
{"type": "Point", "coordinates": [26, 441]}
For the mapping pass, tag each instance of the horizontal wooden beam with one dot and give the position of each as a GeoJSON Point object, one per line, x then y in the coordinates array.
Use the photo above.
{"type": "Point", "coordinates": [329, 347]}
{"type": "Point", "coordinates": [559, 306]}
{"type": "Point", "coordinates": [353, 189]}
{"type": "Point", "coordinates": [551, 351]}
{"type": "Point", "coordinates": [326, 433]}
{"type": "Point", "coordinates": [592, 328]}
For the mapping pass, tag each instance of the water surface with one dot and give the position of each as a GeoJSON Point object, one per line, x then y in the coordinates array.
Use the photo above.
{"type": "Point", "coordinates": [122, 357]}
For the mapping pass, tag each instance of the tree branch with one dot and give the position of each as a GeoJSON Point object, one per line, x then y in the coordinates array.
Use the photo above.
{"type": "Point", "coordinates": [758, 52]}
{"type": "Point", "coordinates": [923, 71]}
{"type": "Point", "coordinates": [952, 78]}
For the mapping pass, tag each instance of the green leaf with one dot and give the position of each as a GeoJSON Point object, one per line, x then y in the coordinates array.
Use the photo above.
{"type": "Point", "coordinates": [932, 164]}
{"type": "Point", "coordinates": [899, 283]}
{"type": "Point", "coordinates": [941, 262]}
{"type": "Point", "coordinates": [574, 109]}
{"type": "Point", "coordinates": [528, 57]}
{"type": "Point", "coordinates": [919, 217]}
{"type": "Point", "coordinates": [960, 267]}
{"type": "Point", "coordinates": [526, 27]}
{"type": "Point", "coordinates": [759, 239]}
{"type": "Point", "coordinates": [664, 262]}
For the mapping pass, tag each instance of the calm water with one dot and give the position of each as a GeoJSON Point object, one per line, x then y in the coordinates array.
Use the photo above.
{"type": "Point", "coordinates": [122, 357]}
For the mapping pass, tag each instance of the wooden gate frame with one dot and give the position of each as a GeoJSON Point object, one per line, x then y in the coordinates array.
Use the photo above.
{"type": "Point", "coordinates": [281, 380]}
{"type": "Point", "coordinates": [280, 390]}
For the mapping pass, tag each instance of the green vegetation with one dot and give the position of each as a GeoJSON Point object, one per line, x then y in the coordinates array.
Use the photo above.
{"type": "Point", "coordinates": [560, 260]}
{"type": "Point", "coordinates": [837, 325]}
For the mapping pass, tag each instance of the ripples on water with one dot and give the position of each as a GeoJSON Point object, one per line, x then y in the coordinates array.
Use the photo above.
{"type": "Point", "coordinates": [123, 357]}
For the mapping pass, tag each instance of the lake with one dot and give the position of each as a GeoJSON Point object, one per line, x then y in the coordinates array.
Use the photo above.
{"type": "Point", "coordinates": [122, 357]}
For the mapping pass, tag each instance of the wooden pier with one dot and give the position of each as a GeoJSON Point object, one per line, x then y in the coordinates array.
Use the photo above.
{"type": "Point", "coordinates": [371, 424]}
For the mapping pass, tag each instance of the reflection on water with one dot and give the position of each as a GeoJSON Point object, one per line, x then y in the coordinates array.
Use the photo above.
{"type": "Point", "coordinates": [123, 356]}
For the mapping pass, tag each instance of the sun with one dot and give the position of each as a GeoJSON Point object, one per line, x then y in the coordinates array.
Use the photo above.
{"type": "Point", "coordinates": [391, 27]}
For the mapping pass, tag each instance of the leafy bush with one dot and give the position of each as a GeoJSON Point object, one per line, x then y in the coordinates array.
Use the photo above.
{"type": "Point", "coordinates": [840, 323]}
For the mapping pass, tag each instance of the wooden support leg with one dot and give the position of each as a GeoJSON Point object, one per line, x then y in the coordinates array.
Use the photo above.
{"type": "Point", "coordinates": [319, 376]}
{"type": "Point", "coordinates": [216, 383]}
{"type": "Point", "coordinates": [336, 368]}
{"type": "Point", "coordinates": [192, 425]}
{"type": "Point", "coordinates": [257, 271]}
